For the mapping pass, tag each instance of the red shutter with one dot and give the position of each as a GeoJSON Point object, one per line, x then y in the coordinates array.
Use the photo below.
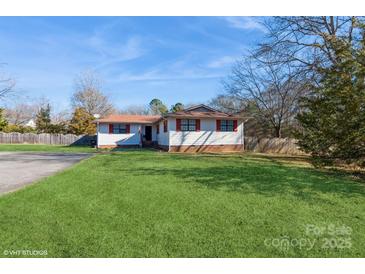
{"type": "Point", "coordinates": [218, 125]}
{"type": "Point", "coordinates": [158, 129]}
{"type": "Point", "coordinates": [110, 128]}
{"type": "Point", "coordinates": [178, 124]}
{"type": "Point", "coordinates": [235, 125]}
{"type": "Point", "coordinates": [165, 126]}
{"type": "Point", "coordinates": [197, 125]}
{"type": "Point", "coordinates": [128, 128]}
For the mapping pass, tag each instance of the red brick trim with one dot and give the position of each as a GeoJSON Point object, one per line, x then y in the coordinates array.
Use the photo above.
{"type": "Point", "coordinates": [207, 148]}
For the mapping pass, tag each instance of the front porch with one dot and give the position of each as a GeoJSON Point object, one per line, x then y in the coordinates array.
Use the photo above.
{"type": "Point", "coordinates": [148, 136]}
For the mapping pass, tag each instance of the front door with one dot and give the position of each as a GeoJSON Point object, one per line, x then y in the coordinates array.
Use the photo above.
{"type": "Point", "coordinates": [148, 133]}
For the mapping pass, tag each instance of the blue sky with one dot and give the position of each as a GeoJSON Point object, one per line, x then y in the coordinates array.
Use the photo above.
{"type": "Point", "coordinates": [176, 59]}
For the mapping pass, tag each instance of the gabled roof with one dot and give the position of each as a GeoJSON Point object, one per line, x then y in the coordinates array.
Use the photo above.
{"type": "Point", "coordinates": [201, 111]}
{"type": "Point", "coordinates": [201, 106]}
{"type": "Point", "coordinates": [126, 118]}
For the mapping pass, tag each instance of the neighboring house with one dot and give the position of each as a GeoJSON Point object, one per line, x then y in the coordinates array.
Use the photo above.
{"type": "Point", "coordinates": [30, 123]}
{"type": "Point", "coordinates": [196, 129]}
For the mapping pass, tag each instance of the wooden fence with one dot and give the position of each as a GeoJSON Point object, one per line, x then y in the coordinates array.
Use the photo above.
{"type": "Point", "coordinates": [45, 138]}
{"type": "Point", "coordinates": [263, 145]}
{"type": "Point", "coordinates": [273, 145]}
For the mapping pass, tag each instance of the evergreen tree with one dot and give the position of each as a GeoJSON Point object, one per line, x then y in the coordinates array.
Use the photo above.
{"type": "Point", "coordinates": [43, 119]}
{"type": "Point", "coordinates": [333, 120]}
{"type": "Point", "coordinates": [177, 107]}
{"type": "Point", "coordinates": [157, 107]}
{"type": "Point", "coordinates": [3, 121]}
{"type": "Point", "coordinates": [82, 122]}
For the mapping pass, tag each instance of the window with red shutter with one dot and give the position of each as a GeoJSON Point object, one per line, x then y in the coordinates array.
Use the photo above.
{"type": "Point", "coordinates": [227, 125]}
{"type": "Point", "coordinates": [197, 128]}
{"type": "Point", "coordinates": [119, 128]}
{"type": "Point", "coordinates": [178, 124]}
{"type": "Point", "coordinates": [188, 124]}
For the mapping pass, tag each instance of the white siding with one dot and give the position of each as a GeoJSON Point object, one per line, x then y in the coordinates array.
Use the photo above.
{"type": "Point", "coordinates": [206, 136]}
{"type": "Point", "coordinates": [106, 139]}
{"type": "Point", "coordinates": [163, 137]}
{"type": "Point", "coordinates": [154, 133]}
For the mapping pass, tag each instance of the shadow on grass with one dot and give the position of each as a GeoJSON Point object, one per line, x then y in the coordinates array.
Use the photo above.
{"type": "Point", "coordinates": [280, 158]}
{"type": "Point", "coordinates": [251, 176]}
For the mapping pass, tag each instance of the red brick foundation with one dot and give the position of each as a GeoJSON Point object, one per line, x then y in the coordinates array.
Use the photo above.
{"type": "Point", "coordinates": [189, 149]}
{"type": "Point", "coordinates": [207, 148]}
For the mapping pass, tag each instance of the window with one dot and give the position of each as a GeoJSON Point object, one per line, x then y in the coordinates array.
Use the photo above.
{"type": "Point", "coordinates": [165, 126]}
{"type": "Point", "coordinates": [119, 128]}
{"type": "Point", "coordinates": [188, 125]}
{"type": "Point", "coordinates": [227, 125]}
{"type": "Point", "coordinates": [158, 129]}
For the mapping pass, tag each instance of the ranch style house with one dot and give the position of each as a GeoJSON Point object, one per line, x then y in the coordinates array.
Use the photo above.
{"type": "Point", "coordinates": [195, 129]}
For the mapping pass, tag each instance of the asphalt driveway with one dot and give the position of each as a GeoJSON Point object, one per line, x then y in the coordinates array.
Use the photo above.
{"type": "Point", "coordinates": [18, 169]}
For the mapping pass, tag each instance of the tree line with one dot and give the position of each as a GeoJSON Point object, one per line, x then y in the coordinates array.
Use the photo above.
{"type": "Point", "coordinates": [306, 80]}
{"type": "Point", "coordinates": [87, 100]}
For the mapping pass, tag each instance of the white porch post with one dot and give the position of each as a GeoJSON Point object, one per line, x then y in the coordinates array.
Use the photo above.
{"type": "Point", "coordinates": [97, 135]}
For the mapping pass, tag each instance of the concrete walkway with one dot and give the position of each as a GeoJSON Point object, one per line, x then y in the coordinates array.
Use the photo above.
{"type": "Point", "coordinates": [18, 169]}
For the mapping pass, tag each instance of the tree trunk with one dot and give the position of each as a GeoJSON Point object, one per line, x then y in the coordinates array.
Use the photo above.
{"type": "Point", "coordinates": [278, 132]}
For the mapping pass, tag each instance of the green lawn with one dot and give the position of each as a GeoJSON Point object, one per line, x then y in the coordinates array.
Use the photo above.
{"type": "Point", "coordinates": [152, 204]}
{"type": "Point", "coordinates": [45, 148]}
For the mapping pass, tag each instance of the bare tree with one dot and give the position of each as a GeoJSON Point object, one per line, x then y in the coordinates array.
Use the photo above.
{"type": "Point", "coordinates": [7, 85]}
{"type": "Point", "coordinates": [227, 103]}
{"type": "Point", "coordinates": [24, 109]}
{"type": "Point", "coordinates": [59, 117]}
{"type": "Point", "coordinates": [270, 91]}
{"type": "Point", "coordinates": [88, 95]}
{"type": "Point", "coordinates": [21, 113]}
{"type": "Point", "coordinates": [305, 42]}
{"type": "Point", "coordinates": [136, 110]}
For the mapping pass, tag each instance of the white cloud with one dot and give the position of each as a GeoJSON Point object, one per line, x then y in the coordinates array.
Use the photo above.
{"type": "Point", "coordinates": [178, 69]}
{"type": "Point", "coordinates": [160, 76]}
{"type": "Point", "coordinates": [165, 74]}
{"type": "Point", "coordinates": [245, 23]}
{"type": "Point", "coordinates": [115, 52]}
{"type": "Point", "coordinates": [222, 62]}
{"type": "Point", "coordinates": [112, 50]}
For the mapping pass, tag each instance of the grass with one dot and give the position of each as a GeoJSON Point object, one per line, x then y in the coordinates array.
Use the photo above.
{"type": "Point", "coordinates": [45, 148]}
{"type": "Point", "coordinates": [151, 204]}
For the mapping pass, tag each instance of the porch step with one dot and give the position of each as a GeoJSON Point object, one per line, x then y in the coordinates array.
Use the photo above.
{"type": "Point", "coordinates": [149, 144]}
